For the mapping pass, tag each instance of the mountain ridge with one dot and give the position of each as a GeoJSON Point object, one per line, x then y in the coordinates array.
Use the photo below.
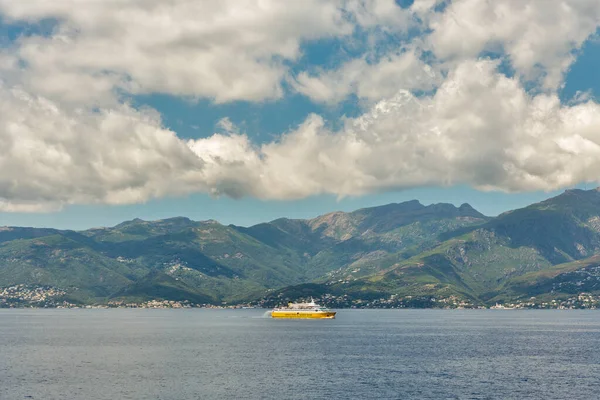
{"type": "Point", "coordinates": [397, 249]}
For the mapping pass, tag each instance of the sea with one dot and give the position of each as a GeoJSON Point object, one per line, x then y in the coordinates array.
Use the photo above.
{"type": "Point", "coordinates": [113, 354]}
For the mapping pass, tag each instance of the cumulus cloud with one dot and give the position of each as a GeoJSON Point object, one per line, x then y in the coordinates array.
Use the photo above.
{"type": "Point", "coordinates": [480, 128]}
{"type": "Point", "coordinates": [441, 118]}
{"type": "Point", "coordinates": [539, 37]}
{"type": "Point", "coordinates": [224, 50]}
{"type": "Point", "coordinates": [367, 80]}
{"type": "Point", "coordinates": [51, 156]}
{"type": "Point", "coordinates": [380, 14]}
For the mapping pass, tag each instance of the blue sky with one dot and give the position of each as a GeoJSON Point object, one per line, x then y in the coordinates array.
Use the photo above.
{"type": "Point", "coordinates": [282, 115]}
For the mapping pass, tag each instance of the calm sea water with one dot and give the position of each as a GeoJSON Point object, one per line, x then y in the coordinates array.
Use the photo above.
{"type": "Point", "coordinates": [240, 354]}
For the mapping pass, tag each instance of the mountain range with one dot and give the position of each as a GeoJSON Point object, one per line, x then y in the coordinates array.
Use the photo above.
{"type": "Point", "coordinates": [405, 250]}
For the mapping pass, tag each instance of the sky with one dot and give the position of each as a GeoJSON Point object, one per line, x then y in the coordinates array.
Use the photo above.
{"type": "Point", "coordinates": [244, 111]}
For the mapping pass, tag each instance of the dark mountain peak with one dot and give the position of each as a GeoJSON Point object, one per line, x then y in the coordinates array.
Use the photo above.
{"type": "Point", "coordinates": [209, 222]}
{"type": "Point", "coordinates": [173, 221]}
{"type": "Point", "coordinates": [575, 194]}
{"type": "Point", "coordinates": [571, 191]}
{"type": "Point", "coordinates": [410, 204]}
{"type": "Point", "coordinates": [406, 206]}
{"type": "Point", "coordinates": [134, 221]}
{"type": "Point", "coordinates": [176, 220]}
{"type": "Point", "coordinates": [561, 228]}
{"type": "Point", "coordinates": [292, 226]}
{"type": "Point", "coordinates": [8, 233]}
{"type": "Point", "coordinates": [468, 211]}
{"type": "Point", "coordinates": [447, 210]}
{"type": "Point", "coordinates": [286, 221]}
{"type": "Point", "coordinates": [144, 229]}
{"type": "Point", "coordinates": [580, 192]}
{"type": "Point", "coordinates": [442, 207]}
{"type": "Point", "coordinates": [172, 224]}
{"type": "Point", "coordinates": [581, 202]}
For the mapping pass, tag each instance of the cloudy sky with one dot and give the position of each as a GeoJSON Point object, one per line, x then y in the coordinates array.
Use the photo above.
{"type": "Point", "coordinates": [247, 110]}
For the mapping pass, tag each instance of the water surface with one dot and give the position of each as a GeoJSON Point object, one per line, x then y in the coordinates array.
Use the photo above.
{"type": "Point", "coordinates": [239, 354]}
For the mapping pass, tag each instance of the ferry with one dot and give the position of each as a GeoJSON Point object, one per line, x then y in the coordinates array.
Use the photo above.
{"type": "Point", "coordinates": [303, 310]}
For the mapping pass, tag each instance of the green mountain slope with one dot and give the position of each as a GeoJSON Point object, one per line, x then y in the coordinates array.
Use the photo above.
{"type": "Point", "coordinates": [557, 282]}
{"type": "Point", "coordinates": [59, 261]}
{"type": "Point", "coordinates": [158, 285]}
{"type": "Point", "coordinates": [213, 261]}
{"type": "Point", "coordinates": [406, 250]}
{"type": "Point", "coordinates": [502, 258]}
{"type": "Point", "coordinates": [338, 242]}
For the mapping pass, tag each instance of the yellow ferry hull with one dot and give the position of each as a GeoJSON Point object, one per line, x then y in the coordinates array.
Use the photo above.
{"type": "Point", "coordinates": [302, 315]}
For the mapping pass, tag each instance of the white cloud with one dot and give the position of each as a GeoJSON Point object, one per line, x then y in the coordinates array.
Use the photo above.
{"type": "Point", "coordinates": [381, 14]}
{"type": "Point", "coordinates": [480, 128]}
{"type": "Point", "coordinates": [67, 136]}
{"type": "Point", "coordinates": [224, 50]}
{"type": "Point", "coordinates": [52, 157]}
{"type": "Point", "coordinates": [370, 81]}
{"type": "Point", "coordinates": [538, 36]}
